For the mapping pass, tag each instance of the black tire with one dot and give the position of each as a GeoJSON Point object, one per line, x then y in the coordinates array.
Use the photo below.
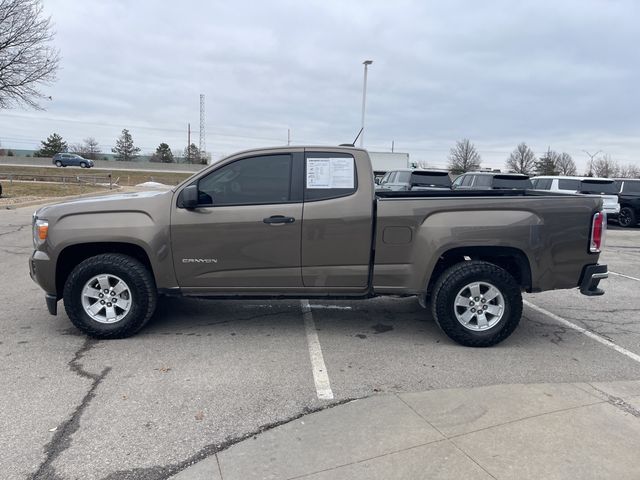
{"type": "Point", "coordinates": [83, 165]}
{"type": "Point", "coordinates": [58, 163]}
{"type": "Point", "coordinates": [627, 217]}
{"type": "Point", "coordinates": [137, 277]}
{"type": "Point", "coordinates": [453, 280]}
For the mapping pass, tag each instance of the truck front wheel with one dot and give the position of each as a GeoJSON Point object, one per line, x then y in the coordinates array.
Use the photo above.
{"type": "Point", "coordinates": [477, 304]}
{"type": "Point", "coordinates": [110, 296]}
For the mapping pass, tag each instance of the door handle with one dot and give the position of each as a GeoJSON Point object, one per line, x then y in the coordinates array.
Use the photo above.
{"type": "Point", "coordinates": [275, 219]}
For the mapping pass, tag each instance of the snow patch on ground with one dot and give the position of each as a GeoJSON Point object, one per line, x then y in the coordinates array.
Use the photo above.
{"type": "Point", "coordinates": [153, 185]}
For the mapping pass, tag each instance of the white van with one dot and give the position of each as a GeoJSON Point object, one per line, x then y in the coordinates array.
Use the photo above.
{"type": "Point", "coordinates": [604, 187]}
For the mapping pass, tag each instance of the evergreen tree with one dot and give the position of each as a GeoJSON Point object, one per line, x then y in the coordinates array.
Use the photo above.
{"type": "Point", "coordinates": [52, 145]}
{"type": "Point", "coordinates": [192, 154]}
{"type": "Point", "coordinates": [125, 150]}
{"type": "Point", "coordinates": [163, 154]}
{"type": "Point", "coordinates": [548, 163]}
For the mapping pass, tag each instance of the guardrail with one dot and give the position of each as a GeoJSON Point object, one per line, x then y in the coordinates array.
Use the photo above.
{"type": "Point", "coordinates": [103, 180]}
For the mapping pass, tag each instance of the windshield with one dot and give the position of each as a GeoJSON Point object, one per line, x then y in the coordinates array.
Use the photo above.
{"type": "Point", "coordinates": [599, 187]}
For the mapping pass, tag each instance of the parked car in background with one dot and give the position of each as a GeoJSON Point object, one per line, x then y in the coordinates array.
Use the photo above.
{"type": "Point", "coordinates": [71, 160]}
{"type": "Point", "coordinates": [629, 200]}
{"type": "Point", "coordinates": [407, 179]}
{"type": "Point", "coordinates": [604, 187]}
{"type": "Point", "coordinates": [491, 181]}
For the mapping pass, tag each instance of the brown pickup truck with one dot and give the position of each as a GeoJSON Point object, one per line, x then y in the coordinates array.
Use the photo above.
{"type": "Point", "coordinates": [305, 222]}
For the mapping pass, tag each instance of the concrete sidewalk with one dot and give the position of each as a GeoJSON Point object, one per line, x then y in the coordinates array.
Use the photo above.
{"type": "Point", "coordinates": [547, 431]}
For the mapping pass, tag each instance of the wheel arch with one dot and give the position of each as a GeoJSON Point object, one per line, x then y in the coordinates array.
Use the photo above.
{"type": "Point", "coordinates": [512, 259]}
{"type": "Point", "coordinates": [73, 255]}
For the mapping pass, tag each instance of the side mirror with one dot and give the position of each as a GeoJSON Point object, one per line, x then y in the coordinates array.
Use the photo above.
{"type": "Point", "coordinates": [376, 181]}
{"type": "Point", "coordinates": [190, 197]}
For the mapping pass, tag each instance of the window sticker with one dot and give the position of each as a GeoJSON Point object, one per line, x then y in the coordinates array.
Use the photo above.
{"type": "Point", "coordinates": [330, 173]}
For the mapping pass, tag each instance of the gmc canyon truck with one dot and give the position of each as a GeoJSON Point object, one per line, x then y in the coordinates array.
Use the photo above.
{"type": "Point", "coordinates": [305, 222]}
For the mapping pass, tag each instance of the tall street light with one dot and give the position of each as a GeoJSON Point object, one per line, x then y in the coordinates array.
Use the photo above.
{"type": "Point", "coordinates": [366, 64]}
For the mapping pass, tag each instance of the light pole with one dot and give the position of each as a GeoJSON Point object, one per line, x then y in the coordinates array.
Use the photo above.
{"type": "Point", "coordinates": [366, 64]}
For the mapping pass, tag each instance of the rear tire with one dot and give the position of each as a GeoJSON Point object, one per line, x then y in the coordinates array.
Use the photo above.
{"type": "Point", "coordinates": [627, 217]}
{"type": "Point", "coordinates": [476, 304]}
{"type": "Point", "coordinates": [110, 278]}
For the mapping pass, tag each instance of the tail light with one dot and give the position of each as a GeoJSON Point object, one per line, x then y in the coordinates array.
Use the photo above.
{"type": "Point", "coordinates": [598, 228]}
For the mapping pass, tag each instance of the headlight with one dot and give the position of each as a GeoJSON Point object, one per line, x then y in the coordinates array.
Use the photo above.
{"type": "Point", "coordinates": [40, 231]}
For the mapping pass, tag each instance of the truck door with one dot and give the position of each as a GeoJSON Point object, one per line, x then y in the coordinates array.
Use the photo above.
{"type": "Point", "coordinates": [245, 234]}
{"type": "Point", "coordinates": [338, 218]}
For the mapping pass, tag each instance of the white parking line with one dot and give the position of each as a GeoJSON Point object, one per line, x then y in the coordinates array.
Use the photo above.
{"type": "Point", "coordinates": [320, 375]}
{"type": "Point", "coordinates": [591, 335]}
{"type": "Point", "coordinates": [625, 276]}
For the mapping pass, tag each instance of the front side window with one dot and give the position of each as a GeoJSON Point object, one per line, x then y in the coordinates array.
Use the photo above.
{"type": "Point", "coordinates": [483, 181]}
{"type": "Point", "coordinates": [403, 177]}
{"type": "Point", "coordinates": [466, 181]}
{"type": "Point", "coordinates": [631, 186]}
{"type": "Point", "coordinates": [249, 181]}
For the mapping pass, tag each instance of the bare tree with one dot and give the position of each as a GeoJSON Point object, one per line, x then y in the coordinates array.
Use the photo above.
{"type": "Point", "coordinates": [606, 167]}
{"type": "Point", "coordinates": [565, 164]}
{"type": "Point", "coordinates": [522, 160]}
{"type": "Point", "coordinates": [464, 157]}
{"type": "Point", "coordinates": [89, 148]}
{"type": "Point", "coordinates": [27, 58]}
{"type": "Point", "coordinates": [629, 171]}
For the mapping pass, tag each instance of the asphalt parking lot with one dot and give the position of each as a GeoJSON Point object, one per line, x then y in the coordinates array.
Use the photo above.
{"type": "Point", "coordinates": [204, 374]}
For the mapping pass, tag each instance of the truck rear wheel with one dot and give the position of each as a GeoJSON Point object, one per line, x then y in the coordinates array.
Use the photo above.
{"type": "Point", "coordinates": [110, 296]}
{"type": "Point", "coordinates": [477, 304]}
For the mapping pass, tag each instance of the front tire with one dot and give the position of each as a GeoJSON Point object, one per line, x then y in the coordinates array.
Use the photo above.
{"type": "Point", "coordinates": [83, 165]}
{"type": "Point", "coordinates": [58, 163]}
{"type": "Point", "coordinates": [476, 304]}
{"type": "Point", "coordinates": [110, 296]}
{"type": "Point", "coordinates": [627, 217]}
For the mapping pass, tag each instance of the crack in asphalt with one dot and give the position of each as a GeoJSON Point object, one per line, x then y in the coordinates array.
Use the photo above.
{"type": "Point", "coordinates": [618, 402]}
{"type": "Point", "coordinates": [160, 472]}
{"type": "Point", "coordinates": [19, 229]}
{"type": "Point", "coordinates": [61, 440]}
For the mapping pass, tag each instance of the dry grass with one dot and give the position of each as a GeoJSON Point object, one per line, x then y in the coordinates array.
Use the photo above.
{"type": "Point", "coordinates": [126, 177]}
{"type": "Point", "coordinates": [20, 192]}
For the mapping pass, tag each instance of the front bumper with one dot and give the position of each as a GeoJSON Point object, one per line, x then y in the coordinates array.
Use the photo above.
{"type": "Point", "coordinates": [41, 271]}
{"type": "Point", "coordinates": [591, 276]}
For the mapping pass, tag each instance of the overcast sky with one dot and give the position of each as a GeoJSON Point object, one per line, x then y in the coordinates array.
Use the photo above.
{"type": "Point", "coordinates": [563, 74]}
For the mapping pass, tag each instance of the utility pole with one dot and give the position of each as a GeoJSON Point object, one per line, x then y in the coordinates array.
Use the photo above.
{"type": "Point", "coordinates": [393, 143]}
{"type": "Point", "coordinates": [366, 64]}
{"type": "Point", "coordinates": [203, 146]}
{"type": "Point", "coordinates": [591, 161]}
{"type": "Point", "coordinates": [188, 142]}
{"type": "Point", "coordinates": [288, 137]}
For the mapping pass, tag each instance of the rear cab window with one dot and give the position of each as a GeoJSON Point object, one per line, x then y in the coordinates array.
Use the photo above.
{"type": "Point", "coordinates": [329, 175]}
